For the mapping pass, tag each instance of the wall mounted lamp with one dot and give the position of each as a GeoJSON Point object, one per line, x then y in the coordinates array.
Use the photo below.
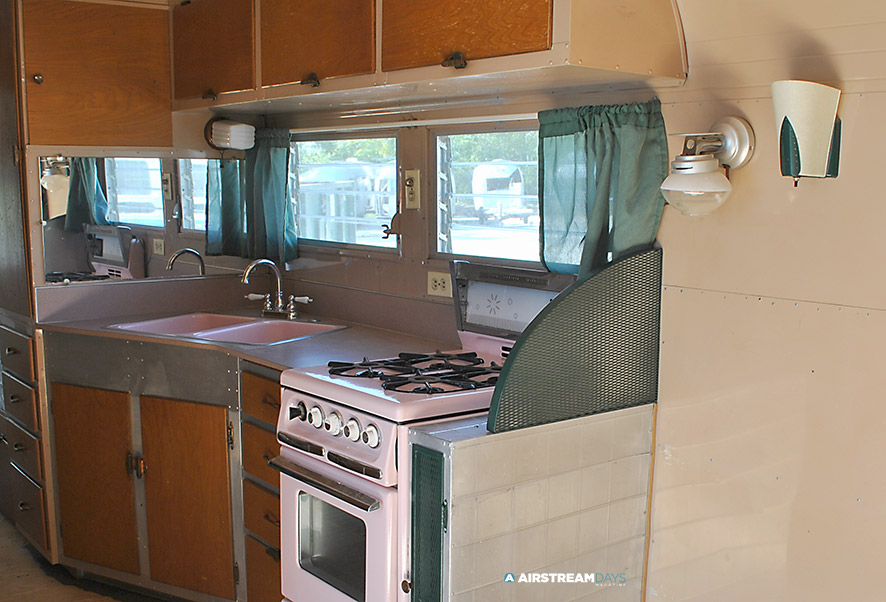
{"type": "Point", "coordinates": [223, 134]}
{"type": "Point", "coordinates": [696, 185]}
{"type": "Point", "coordinates": [808, 128]}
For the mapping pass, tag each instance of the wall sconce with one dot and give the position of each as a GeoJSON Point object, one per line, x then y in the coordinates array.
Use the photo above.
{"type": "Point", "coordinates": [696, 186]}
{"type": "Point", "coordinates": [808, 128]}
{"type": "Point", "coordinates": [222, 134]}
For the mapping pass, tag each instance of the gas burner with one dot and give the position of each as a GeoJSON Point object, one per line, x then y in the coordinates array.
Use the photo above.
{"type": "Point", "coordinates": [460, 378]}
{"type": "Point", "coordinates": [441, 361]}
{"type": "Point", "coordinates": [370, 368]}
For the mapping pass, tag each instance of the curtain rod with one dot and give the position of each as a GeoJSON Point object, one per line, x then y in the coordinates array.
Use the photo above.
{"type": "Point", "coordinates": [346, 126]}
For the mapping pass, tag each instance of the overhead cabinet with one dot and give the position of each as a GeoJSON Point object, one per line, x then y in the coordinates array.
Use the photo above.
{"type": "Point", "coordinates": [213, 44]}
{"type": "Point", "coordinates": [96, 74]}
{"type": "Point", "coordinates": [417, 33]}
{"type": "Point", "coordinates": [430, 51]}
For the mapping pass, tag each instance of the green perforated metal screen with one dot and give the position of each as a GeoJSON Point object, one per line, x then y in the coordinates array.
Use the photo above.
{"type": "Point", "coordinates": [428, 516]}
{"type": "Point", "coordinates": [593, 349]}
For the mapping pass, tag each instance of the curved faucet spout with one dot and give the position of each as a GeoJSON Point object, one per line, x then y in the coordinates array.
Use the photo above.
{"type": "Point", "coordinates": [273, 266]}
{"type": "Point", "coordinates": [180, 252]}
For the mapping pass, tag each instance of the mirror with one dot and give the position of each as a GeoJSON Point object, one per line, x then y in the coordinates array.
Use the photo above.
{"type": "Point", "coordinates": [145, 208]}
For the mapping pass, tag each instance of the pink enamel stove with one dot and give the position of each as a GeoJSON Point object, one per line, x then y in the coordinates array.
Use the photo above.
{"type": "Point", "coordinates": [343, 427]}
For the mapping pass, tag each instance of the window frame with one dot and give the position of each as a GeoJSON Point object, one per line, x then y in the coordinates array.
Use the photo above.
{"type": "Point", "coordinates": [491, 126]}
{"type": "Point", "coordinates": [343, 248]}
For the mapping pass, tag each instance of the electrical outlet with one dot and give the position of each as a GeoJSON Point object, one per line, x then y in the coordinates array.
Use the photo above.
{"type": "Point", "coordinates": [439, 285]}
{"type": "Point", "coordinates": [159, 247]}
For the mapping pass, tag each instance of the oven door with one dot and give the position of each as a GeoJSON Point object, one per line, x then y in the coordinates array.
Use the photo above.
{"type": "Point", "coordinates": [338, 533]}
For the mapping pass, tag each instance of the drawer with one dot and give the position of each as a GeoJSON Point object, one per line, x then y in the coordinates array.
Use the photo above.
{"type": "Point", "coordinates": [5, 473]}
{"type": "Point", "coordinates": [261, 510]}
{"type": "Point", "coordinates": [27, 503]}
{"type": "Point", "coordinates": [24, 450]}
{"type": "Point", "coordinates": [20, 401]}
{"type": "Point", "coordinates": [259, 446]}
{"type": "Point", "coordinates": [259, 397]}
{"type": "Point", "coordinates": [15, 354]}
{"type": "Point", "coordinates": [262, 572]}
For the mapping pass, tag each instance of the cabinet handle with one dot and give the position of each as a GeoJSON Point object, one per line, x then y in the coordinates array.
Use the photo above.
{"type": "Point", "coordinates": [15, 398]}
{"type": "Point", "coordinates": [457, 60]}
{"type": "Point", "coordinates": [4, 440]}
{"type": "Point", "coordinates": [311, 80]}
{"type": "Point", "coordinates": [11, 351]}
{"type": "Point", "coordinates": [273, 553]}
{"type": "Point", "coordinates": [210, 94]}
{"type": "Point", "coordinates": [268, 517]}
{"type": "Point", "coordinates": [18, 447]}
{"type": "Point", "coordinates": [270, 401]}
{"type": "Point", "coordinates": [38, 78]}
{"type": "Point", "coordinates": [24, 506]}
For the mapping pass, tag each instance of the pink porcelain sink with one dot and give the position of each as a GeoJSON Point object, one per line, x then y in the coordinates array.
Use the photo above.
{"type": "Point", "coordinates": [266, 332]}
{"type": "Point", "coordinates": [186, 324]}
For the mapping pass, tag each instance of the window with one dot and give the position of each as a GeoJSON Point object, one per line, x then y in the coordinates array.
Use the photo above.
{"type": "Point", "coordinates": [135, 192]}
{"type": "Point", "coordinates": [487, 195]}
{"type": "Point", "coordinates": [192, 184]}
{"type": "Point", "coordinates": [345, 191]}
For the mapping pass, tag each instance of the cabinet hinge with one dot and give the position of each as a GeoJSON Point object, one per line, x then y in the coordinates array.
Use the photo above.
{"type": "Point", "coordinates": [236, 574]}
{"type": "Point", "coordinates": [231, 435]}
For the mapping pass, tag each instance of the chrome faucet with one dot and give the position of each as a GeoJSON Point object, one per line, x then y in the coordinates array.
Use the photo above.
{"type": "Point", "coordinates": [274, 308]}
{"type": "Point", "coordinates": [181, 252]}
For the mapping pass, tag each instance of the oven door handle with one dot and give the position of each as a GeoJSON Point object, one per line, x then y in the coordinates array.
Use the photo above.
{"type": "Point", "coordinates": [349, 495]}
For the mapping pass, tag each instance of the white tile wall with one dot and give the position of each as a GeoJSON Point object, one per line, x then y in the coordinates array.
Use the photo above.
{"type": "Point", "coordinates": [567, 497]}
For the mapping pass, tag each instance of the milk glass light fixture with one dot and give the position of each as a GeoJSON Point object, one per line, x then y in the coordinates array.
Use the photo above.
{"type": "Point", "coordinates": [696, 184]}
{"type": "Point", "coordinates": [222, 134]}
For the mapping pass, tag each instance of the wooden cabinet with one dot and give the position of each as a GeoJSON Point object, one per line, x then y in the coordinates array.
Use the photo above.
{"type": "Point", "coordinates": [95, 476]}
{"type": "Point", "coordinates": [327, 38]}
{"type": "Point", "coordinates": [187, 495]}
{"type": "Point", "coordinates": [263, 580]}
{"type": "Point", "coordinates": [416, 33]}
{"type": "Point", "coordinates": [6, 501]}
{"type": "Point", "coordinates": [213, 47]}
{"type": "Point", "coordinates": [96, 74]}
{"type": "Point", "coordinates": [184, 464]}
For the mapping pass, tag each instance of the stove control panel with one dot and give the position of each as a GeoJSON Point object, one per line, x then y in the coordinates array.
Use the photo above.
{"type": "Point", "coordinates": [350, 439]}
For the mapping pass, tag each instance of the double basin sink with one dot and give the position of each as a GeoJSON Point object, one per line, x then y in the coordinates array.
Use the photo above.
{"type": "Point", "coordinates": [229, 329]}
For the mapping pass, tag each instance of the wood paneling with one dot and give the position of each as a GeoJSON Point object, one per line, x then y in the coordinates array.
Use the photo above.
{"type": "Point", "coordinates": [105, 72]}
{"type": "Point", "coordinates": [95, 493]}
{"type": "Point", "coordinates": [328, 37]}
{"type": "Point", "coordinates": [263, 579]}
{"type": "Point", "coordinates": [416, 33]}
{"type": "Point", "coordinates": [187, 490]}
{"type": "Point", "coordinates": [213, 47]}
{"type": "Point", "coordinates": [259, 446]}
{"type": "Point", "coordinates": [261, 512]}
{"type": "Point", "coordinates": [15, 293]}
{"type": "Point", "coordinates": [260, 397]}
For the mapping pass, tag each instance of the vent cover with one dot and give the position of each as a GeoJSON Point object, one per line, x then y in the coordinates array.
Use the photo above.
{"type": "Point", "coordinates": [594, 349]}
{"type": "Point", "coordinates": [428, 524]}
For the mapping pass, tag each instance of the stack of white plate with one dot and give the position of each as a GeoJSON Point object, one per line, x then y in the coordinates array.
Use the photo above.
{"type": "Point", "coordinates": [230, 134]}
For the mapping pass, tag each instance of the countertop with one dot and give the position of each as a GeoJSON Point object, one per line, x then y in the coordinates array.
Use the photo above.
{"type": "Point", "coordinates": [352, 343]}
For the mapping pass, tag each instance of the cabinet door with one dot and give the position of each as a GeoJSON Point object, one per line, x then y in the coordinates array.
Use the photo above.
{"type": "Point", "coordinates": [95, 488]}
{"type": "Point", "coordinates": [213, 47]}
{"type": "Point", "coordinates": [188, 495]}
{"type": "Point", "coordinates": [15, 292]}
{"type": "Point", "coordinates": [96, 74]}
{"type": "Point", "coordinates": [330, 38]}
{"type": "Point", "coordinates": [417, 33]}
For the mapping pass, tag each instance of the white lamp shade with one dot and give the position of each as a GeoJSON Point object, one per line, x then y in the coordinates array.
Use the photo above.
{"type": "Point", "coordinates": [698, 193]}
{"type": "Point", "coordinates": [811, 110]}
{"type": "Point", "coordinates": [230, 134]}
{"type": "Point", "coordinates": [57, 186]}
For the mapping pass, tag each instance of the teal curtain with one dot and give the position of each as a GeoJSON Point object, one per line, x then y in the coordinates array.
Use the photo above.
{"type": "Point", "coordinates": [86, 199]}
{"type": "Point", "coordinates": [600, 170]}
{"type": "Point", "coordinates": [225, 209]}
{"type": "Point", "coordinates": [270, 214]}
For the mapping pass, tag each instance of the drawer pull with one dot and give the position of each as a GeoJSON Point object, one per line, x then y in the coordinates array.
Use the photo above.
{"type": "Point", "coordinates": [4, 440]}
{"type": "Point", "coordinates": [11, 351]}
{"type": "Point", "coordinates": [270, 401]}
{"type": "Point", "coordinates": [15, 398]}
{"type": "Point", "coordinates": [271, 519]}
{"type": "Point", "coordinates": [24, 506]}
{"type": "Point", "coordinates": [273, 553]}
{"type": "Point", "coordinates": [18, 447]}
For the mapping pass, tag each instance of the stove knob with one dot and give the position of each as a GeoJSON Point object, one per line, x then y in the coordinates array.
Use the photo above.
{"type": "Point", "coordinates": [333, 424]}
{"type": "Point", "coordinates": [352, 430]}
{"type": "Point", "coordinates": [315, 417]}
{"type": "Point", "coordinates": [299, 412]}
{"type": "Point", "coordinates": [371, 436]}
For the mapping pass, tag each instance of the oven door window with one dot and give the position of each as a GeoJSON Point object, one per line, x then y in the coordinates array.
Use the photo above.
{"type": "Point", "coordinates": [332, 546]}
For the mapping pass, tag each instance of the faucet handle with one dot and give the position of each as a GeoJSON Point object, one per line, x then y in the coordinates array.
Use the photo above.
{"type": "Point", "coordinates": [295, 299]}
{"type": "Point", "coordinates": [255, 297]}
